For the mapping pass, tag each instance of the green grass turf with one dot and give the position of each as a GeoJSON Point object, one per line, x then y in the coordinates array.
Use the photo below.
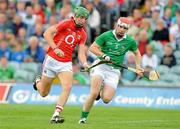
{"type": "Point", "coordinates": [37, 117]}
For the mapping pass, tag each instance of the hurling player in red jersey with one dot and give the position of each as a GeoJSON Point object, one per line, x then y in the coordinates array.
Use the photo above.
{"type": "Point", "coordinates": [62, 39]}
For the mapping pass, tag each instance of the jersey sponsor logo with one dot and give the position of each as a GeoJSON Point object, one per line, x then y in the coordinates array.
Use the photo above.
{"type": "Point", "coordinates": [123, 47]}
{"type": "Point", "coordinates": [110, 43]}
{"type": "Point", "coordinates": [120, 47]}
{"type": "Point", "coordinates": [117, 53]}
{"type": "Point", "coordinates": [117, 46]}
{"type": "Point", "coordinates": [69, 39]}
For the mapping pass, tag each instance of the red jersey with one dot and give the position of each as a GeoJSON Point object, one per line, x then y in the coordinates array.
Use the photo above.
{"type": "Point", "coordinates": [66, 39]}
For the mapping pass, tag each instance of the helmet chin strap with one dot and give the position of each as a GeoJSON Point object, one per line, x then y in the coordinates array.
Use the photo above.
{"type": "Point", "coordinates": [78, 26]}
{"type": "Point", "coordinates": [118, 35]}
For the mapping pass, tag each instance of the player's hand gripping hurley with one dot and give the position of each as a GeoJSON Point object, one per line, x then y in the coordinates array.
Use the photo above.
{"type": "Point", "coordinates": [95, 64]}
{"type": "Point", "coordinates": [150, 75]}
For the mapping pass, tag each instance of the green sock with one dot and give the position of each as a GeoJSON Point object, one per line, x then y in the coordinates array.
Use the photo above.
{"type": "Point", "coordinates": [84, 114]}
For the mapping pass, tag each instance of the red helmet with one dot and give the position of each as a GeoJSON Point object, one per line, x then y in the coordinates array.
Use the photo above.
{"type": "Point", "coordinates": [124, 21]}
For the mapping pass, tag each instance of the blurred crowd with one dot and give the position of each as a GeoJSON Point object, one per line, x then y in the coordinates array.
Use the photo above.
{"type": "Point", "coordinates": [156, 28]}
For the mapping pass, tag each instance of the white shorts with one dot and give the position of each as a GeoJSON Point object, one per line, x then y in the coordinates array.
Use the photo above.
{"type": "Point", "coordinates": [52, 67]}
{"type": "Point", "coordinates": [109, 74]}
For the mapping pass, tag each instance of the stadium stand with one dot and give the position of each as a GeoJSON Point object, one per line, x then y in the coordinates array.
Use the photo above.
{"type": "Point", "coordinates": [22, 19]}
{"type": "Point", "coordinates": [23, 76]}
{"type": "Point", "coordinates": [175, 70]}
{"type": "Point", "coordinates": [163, 69]}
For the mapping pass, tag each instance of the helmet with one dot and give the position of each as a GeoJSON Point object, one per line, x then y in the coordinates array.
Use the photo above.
{"type": "Point", "coordinates": [81, 11]}
{"type": "Point", "coordinates": [123, 21]}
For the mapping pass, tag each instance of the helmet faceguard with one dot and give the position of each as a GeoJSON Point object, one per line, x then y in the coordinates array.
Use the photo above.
{"type": "Point", "coordinates": [124, 22]}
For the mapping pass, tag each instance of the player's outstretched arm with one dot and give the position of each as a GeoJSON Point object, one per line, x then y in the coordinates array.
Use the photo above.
{"type": "Point", "coordinates": [82, 56]}
{"type": "Point", "coordinates": [49, 34]}
{"type": "Point", "coordinates": [138, 62]}
{"type": "Point", "coordinates": [96, 49]}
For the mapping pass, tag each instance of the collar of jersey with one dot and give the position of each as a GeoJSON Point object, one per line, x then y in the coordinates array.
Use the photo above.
{"type": "Point", "coordinates": [117, 38]}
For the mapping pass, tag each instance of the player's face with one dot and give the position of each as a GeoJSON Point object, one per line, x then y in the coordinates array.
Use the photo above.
{"type": "Point", "coordinates": [80, 21]}
{"type": "Point", "coordinates": [121, 30]}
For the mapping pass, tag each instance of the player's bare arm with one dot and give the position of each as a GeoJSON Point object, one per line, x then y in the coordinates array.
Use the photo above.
{"type": "Point", "coordinates": [95, 48]}
{"type": "Point", "coordinates": [82, 55]}
{"type": "Point", "coordinates": [138, 62]}
{"type": "Point", "coordinates": [49, 35]}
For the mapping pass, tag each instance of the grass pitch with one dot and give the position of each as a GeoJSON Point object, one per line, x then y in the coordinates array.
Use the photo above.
{"type": "Point", "coordinates": [37, 117]}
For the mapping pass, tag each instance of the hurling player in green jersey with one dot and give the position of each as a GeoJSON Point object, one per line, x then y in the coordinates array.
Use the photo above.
{"type": "Point", "coordinates": [111, 45]}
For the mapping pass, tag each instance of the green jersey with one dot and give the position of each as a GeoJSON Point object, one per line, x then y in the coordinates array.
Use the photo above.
{"type": "Point", "coordinates": [115, 48]}
{"type": "Point", "coordinates": [6, 73]}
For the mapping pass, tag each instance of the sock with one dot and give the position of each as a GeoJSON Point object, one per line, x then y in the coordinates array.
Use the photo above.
{"type": "Point", "coordinates": [58, 109]}
{"type": "Point", "coordinates": [37, 81]}
{"type": "Point", "coordinates": [84, 114]}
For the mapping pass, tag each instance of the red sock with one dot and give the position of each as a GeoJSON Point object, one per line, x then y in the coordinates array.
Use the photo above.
{"type": "Point", "coordinates": [37, 81]}
{"type": "Point", "coordinates": [58, 108]}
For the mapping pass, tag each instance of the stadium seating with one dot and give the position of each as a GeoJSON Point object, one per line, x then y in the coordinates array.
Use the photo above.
{"type": "Point", "coordinates": [24, 76]}
{"type": "Point", "coordinates": [159, 83]}
{"type": "Point", "coordinates": [178, 61]}
{"type": "Point", "coordinates": [158, 48]}
{"type": "Point", "coordinates": [177, 54]}
{"type": "Point", "coordinates": [163, 69]}
{"type": "Point", "coordinates": [169, 78]}
{"type": "Point", "coordinates": [142, 82]}
{"type": "Point", "coordinates": [175, 70]}
{"type": "Point", "coordinates": [14, 64]}
{"type": "Point", "coordinates": [25, 72]}
{"type": "Point", "coordinates": [31, 67]}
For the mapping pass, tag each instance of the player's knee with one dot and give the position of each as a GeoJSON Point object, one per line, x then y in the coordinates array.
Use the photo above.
{"type": "Point", "coordinates": [106, 100]}
{"type": "Point", "coordinates": [43, 93]}
{"type": "Point", "coordinates": [94, 95]}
